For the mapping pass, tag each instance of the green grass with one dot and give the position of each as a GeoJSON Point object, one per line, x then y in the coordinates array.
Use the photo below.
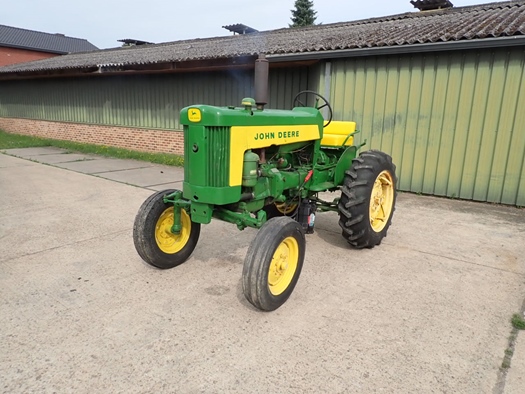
{"type": "Point", "coordinates": [13, 141]}
{"type": "Point", "coordinates": [518, 322]}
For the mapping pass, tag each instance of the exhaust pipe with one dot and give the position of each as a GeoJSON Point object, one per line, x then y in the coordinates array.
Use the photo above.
{"type": "Point", "coordinates": [261, 81]}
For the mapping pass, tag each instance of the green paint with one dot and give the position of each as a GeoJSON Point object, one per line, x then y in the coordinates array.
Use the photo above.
{"type": "Point", "coordinates": [275, 174]}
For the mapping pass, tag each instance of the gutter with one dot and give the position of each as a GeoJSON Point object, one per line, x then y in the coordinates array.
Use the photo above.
{"type": "Point", "coordinates": [498, 42]}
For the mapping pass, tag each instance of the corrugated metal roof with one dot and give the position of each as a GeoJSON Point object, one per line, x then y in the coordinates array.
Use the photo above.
{"type": "Point", "coordinates": [497, 19]}
{"type": "Point", "coordinates": [45, 42]}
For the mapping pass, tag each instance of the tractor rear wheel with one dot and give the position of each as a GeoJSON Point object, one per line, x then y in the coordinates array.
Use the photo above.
{"type": "Point", "coordinates": [273, 263]}
{"type": "Point", "coordinates": [368, 199]}
{"type": "Point", "coordinates": [152, 235]}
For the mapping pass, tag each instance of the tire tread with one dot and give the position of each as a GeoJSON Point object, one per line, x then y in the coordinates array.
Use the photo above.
{"type": "Point", "coordinates": [355, 196]}
{"type": "Point", "coordinates": [258, 258]}
{"type": "Point", "coordinates": [144, 234]}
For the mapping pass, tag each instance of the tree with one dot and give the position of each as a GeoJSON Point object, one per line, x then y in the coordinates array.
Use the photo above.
{"type": "Point", "coordinates": [303, 14]}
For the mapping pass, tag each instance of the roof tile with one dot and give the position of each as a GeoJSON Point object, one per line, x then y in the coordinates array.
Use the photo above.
{"type": "Point", "coordinates": [497, 19]}
{"type": "Point", "coordinates": [46, 42]}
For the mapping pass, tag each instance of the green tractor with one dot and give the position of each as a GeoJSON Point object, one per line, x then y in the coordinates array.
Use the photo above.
{"type": "Point", "coordinates": [265, 169]}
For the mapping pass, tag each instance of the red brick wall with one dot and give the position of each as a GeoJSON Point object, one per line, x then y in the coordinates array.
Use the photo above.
{"type": "Point", "coordinates": [145, 140]}
{"type": "Point", "coordinates": [15, 55]}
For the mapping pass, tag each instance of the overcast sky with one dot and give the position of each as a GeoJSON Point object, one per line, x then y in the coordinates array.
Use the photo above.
{"type": "Point", "coordinates": [103, 22]}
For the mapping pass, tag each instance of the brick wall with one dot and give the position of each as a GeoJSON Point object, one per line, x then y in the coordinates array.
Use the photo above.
{"type": "Point", "coordinates": [145, 140]}
{"type": "Point", "coordinates": [15, 55]}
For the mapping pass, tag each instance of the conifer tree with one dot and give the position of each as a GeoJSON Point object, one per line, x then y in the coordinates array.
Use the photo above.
{"type": "Point", "coordinates": [303, 14]}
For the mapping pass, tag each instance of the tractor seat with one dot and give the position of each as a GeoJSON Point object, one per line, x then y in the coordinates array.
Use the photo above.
{"type": "Point", "coordinates": [337, 132]}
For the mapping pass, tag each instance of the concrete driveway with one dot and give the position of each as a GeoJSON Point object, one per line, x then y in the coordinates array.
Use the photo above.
{"type": "Point", "coordinates": [427, 311]}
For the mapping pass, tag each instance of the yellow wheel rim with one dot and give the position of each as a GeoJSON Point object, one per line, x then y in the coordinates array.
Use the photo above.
{"type": "Point", "coordinates": [285, 208]}
{"type": "Point", "coordinates": [283, 266]}
{"type": "Point", "coordinates": [381, 201]}
{"type": "Point", "coordinates": [167, 241]}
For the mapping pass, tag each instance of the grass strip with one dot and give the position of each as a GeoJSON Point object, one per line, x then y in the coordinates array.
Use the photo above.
{"type": "Point", "coordinates": [14, 141]}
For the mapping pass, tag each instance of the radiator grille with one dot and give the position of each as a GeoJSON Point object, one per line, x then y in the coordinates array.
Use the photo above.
{"type": "Point", "coordinates": [211, 165]}
{"type": "Point", "coordinates": [218, 166]}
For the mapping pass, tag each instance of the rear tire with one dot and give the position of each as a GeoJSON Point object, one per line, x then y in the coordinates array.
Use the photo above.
{"type": "Point", "coordinates": [153, 239]}
{"type": "Point", "coordinates": [273, 263]}
{"type": "Point", "coordinates": [368, 199]}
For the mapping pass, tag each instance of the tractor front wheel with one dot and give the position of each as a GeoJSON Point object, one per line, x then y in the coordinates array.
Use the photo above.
{"type": "Point", "coordinates": [278, 209]}
{"type": "Point", "coordinates": [152, 235]}
{"type": "Point", "coordinates": [368, 199]}
{"type": "Point", "coordinates": [273, 263]}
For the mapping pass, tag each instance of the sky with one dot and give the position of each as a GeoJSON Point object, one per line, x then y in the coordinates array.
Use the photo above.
{"type": "Point", "coordinates": [103, 22]}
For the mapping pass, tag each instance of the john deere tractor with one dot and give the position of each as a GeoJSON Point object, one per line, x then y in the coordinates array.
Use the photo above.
{"type": "Point", "coordinates": [265, 169]}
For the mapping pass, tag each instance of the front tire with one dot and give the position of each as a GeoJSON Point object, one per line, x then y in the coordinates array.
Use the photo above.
{"type": "Point", "coordinates": [152, 235]}
{"type": "Point", "coordinates": [368, 199]}
{"type": "Point", "coordinates": [273, 263]}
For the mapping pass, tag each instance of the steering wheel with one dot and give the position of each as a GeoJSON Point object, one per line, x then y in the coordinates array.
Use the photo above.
{"type": "Point", "coordinates": [297, 101]}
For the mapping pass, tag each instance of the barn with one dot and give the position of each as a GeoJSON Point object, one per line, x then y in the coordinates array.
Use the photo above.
{"type": "Point", "coordinates": [442, 90]}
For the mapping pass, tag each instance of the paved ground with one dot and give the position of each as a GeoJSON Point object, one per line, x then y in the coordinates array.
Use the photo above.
{"type": "Point", "coordinates": [427, 311]}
